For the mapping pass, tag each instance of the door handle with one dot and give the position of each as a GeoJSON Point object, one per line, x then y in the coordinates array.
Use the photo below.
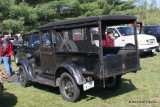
{"type": "Point", "coordinates": [123, 40]}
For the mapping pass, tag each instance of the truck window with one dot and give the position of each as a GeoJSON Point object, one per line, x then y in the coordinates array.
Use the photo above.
{"type": "Point", "coordinates": [53, 39]}
{"type": "Point", "coordinates": [46, 39]}
{"type": "Point", "coordinates": [25, 41]}
{"type": "Point", "coordinates": [94, 36]}
{"type": "Point", "coordinates": [34, 42]}
{"type": "Point", "coordinates": [78, 34]}
{"type": "Point", "coordinates": [65, 35]}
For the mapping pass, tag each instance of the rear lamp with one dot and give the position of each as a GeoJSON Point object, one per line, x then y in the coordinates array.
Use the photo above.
{"type": "Point", "coordinates": [89, 79]}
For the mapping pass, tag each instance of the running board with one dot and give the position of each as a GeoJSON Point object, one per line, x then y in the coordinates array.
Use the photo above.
{"type": "Point", "coordinates": [44, 81]}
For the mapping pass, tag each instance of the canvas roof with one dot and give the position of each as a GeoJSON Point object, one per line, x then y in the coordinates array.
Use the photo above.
{"type": "Point", "coordinates": [109, 20]}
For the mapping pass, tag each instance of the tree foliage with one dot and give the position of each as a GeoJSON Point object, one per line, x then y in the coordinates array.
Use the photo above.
{"type": "Point", "coordinates": [25, 15]}
{"type": "Point", "coordinates": [149, 13]}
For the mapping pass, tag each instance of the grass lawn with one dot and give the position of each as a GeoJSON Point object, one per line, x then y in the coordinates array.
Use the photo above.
{"type": "Point", "coordinates": [142, 86]}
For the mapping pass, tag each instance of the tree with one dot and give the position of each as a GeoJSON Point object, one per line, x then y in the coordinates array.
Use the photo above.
{"type": "Point", "coordinates": [21, 18]}
{"type": "Point", "coordinates": [149, 13]}
{"type": "Point", "coordinates": [26, 15]}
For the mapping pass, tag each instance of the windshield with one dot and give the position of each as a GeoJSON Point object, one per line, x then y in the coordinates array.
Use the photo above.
{"type": "Point", "coordinates": [126, 31]}
{"type": "Point", "coordinates": [35, 38]}
{"type": "Point", "coordinates": [156, 29]}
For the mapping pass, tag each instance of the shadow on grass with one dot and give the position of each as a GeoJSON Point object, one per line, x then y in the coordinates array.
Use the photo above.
{"type": "Point", "coordinates": [147, 55]}
{"type": "Point", "coordinates": [105, 94]}
{"type": "Point", "coordinates": [8, 100]}
{"type": "Point", "coordinates": [47, 88]}
{"type": "Point", "coordinates": [98, 91]}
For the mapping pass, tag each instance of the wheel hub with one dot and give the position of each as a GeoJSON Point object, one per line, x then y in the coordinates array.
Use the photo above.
{"type": "Point", "coordinates": [65, 88]}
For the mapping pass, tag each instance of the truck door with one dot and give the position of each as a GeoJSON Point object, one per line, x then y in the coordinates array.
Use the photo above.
{"type": "Point", "coordinates": [46, 54]}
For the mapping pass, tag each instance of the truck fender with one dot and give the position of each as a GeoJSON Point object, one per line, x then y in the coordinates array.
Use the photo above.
{"type": "Point", "coordinates": [74, 71]}
{"type": "Point", "coordinates": [28, 68]}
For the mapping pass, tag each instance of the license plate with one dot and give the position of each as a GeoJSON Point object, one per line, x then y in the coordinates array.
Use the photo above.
{"type": "Point", "coordinates": [153, 50]}
{"type": "Point", "coordinates": [88, 85]}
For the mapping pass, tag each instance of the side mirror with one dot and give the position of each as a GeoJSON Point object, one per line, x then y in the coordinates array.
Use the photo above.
{"type": "Point", "coordinates": [29, 56]}
{"type": "Point", "coordinates": [116, 35]}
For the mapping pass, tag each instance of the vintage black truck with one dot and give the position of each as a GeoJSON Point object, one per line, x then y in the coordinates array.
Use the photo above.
{"type": "Point", "coordinates": [77, 53]}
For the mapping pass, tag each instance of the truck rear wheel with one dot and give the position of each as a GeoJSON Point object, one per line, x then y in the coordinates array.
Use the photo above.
{"type": "Point", "coordinates": [113, 83]}
{"type": "Point", "coordinates": [23, 77]}
{"type": "Point", "coordinates": [68, 88]}
{"type": "Point", "coordinates": [1, 89]}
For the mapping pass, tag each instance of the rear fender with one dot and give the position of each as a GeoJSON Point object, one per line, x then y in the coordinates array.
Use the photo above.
{"type": "Point", "coordinates": [74, 71]}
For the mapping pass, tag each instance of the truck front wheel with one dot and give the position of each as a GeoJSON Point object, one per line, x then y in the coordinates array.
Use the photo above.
{"type": "Point", "coordinates": [23, 76]}
{"type": "Point", "coordinates": [16, 58]}
{"type": "Point", "coordinates": [68, 88]}
{"type": "Point", "coordinates": [113, 83]}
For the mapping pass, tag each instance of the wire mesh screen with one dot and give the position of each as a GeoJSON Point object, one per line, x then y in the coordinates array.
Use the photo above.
{"type": "Point", "coordinates": [85, 40]}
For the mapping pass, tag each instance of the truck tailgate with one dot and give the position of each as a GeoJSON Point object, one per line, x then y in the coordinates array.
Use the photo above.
{"type": "Point", "coordinates": [120, 64]}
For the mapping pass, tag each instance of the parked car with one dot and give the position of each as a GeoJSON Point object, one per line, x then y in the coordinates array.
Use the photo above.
{"type": "Point", "coordinates": [124, 37]}
{"type": "Point", "coordinates": [29, 45]}
{"type": "Point", "coordinates": [72, 56]}
{"type": "Point", "coordinates": [153, 30]}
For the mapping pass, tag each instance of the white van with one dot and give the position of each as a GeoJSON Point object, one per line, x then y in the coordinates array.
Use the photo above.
{"type": "Point", "coordinates": [124, 37]}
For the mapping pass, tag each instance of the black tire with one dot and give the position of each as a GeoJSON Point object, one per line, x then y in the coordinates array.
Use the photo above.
{"type": "Point", "coordinates": [150, 53]}
{"type": "Point", "coordinates": [70, 44]}
{"type": "Point", "coordinates": [68, 88]}
{"type": "Point", "coordinates": [113, 83]}
{"type": "Point", "coordinates": [16, 58]}
{"type": "Point", "coordinates": [158, 47]}
{"type": "Point", "coordinates": [23, 77]}
{"type": "Point", "coordinates": [1, 89]}
{"type": "Point", "coordinates": [130, 46]}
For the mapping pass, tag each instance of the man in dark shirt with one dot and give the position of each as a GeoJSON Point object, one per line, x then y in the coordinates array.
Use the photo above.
{"type": "Point", "coordinates": [20, 39]}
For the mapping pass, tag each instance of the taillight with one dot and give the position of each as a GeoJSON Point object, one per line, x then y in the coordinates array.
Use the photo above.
{"type": "Point", "coordinates": [89, 79]}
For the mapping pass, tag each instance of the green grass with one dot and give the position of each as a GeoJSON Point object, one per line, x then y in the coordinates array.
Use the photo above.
{"type": "Point", "coordinates": [142, 86]}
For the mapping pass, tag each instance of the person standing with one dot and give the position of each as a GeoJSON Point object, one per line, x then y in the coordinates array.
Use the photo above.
{"type": "Point", "coordinates": [20, 39]}
{"type": "Point", "coordinates": [15, 41]}
{"type": "Point", "coordinates": [5, 54]}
